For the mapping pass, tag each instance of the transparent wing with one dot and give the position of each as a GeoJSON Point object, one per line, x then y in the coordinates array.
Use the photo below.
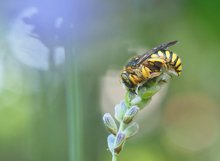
{"type": "Point", "coordinates": [162, 46]}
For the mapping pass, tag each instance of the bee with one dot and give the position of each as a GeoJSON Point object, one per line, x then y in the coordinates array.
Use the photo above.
{"type": "Point", "coordinates": [151, 64]}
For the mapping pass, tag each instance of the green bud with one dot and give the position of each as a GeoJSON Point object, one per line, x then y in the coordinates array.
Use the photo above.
{"type": "Point", "coordinates": [136, 100]}
{"type": "Point", "coordinates": [130, 114]}
{"type": "Point", "coordinates": [120, 110]}
{"type": "Point", "coordinates": [146, 93]}
{"type": "Point", "coordinates": [131, 130]}
{"type": "Point", "coordinates": [120, 140]}
{"type": "Point", "coordinates": [110, 123]}
{"type": "Point", "coordinates": [143, 103]}
{"type": "Point", "coordinates": [129, 96]}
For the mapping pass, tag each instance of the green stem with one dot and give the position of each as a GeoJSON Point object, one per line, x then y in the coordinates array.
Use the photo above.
{"type": "Point", "coordinates": [74, 110]}
{"type": "Point", "coordinates": [114, 157]}
{"type": "Point", "coordinates": [121, 127]}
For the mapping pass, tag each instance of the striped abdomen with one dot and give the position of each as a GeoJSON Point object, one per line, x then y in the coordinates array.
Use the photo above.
{"type": "Point", "coordinates": [171, 59]}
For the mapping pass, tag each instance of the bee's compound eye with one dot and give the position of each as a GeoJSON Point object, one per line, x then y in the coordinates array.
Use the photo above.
{"type": "Point", "coordinates": [124, 77]}
{"type": "Point", "coordinates": [126, 80]}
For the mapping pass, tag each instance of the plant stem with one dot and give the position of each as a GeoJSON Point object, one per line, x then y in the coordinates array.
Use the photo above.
{"type": "Point", "coordinates": [74, 112]}
{"type": "Point", "coordinates": [114, 157]}
{"type": "Point", "coordinates": [121, 128]}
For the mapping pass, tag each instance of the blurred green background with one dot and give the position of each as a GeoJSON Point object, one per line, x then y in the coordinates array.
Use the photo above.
{"type": "Point", "coordinates": [60, 65]}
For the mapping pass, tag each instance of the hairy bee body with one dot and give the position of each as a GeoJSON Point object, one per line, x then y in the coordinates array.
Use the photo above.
{"type": "Point", "coordinates": [142, 68]}
{"type": "Point", "coordinates": [171, 60]}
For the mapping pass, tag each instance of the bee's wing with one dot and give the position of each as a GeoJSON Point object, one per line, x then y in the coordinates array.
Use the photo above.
{"type": "Point", "coordinates": [162, 46]}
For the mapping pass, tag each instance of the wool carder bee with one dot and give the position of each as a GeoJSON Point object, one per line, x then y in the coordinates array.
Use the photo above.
{"type": "Point", "coordinates": [151, 64]}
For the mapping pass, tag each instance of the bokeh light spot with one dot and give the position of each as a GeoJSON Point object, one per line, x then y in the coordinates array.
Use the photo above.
{"type": "Point", "coordinates": [191, 121]}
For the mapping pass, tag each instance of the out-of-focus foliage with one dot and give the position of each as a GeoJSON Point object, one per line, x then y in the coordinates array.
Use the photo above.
{"type": "Point", "coordinates": [56, 63]}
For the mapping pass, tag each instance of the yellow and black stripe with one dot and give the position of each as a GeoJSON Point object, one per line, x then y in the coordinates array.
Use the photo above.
{"type": "Point", "coordinates": [151, 64]}
{"type": "Point", "coordinates": [172, 59]}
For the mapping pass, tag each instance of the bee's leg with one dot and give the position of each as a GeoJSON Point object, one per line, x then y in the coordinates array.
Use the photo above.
{"type": "Point", "coordinates": [136, 78]}
{"type": "Point", "coordinates": [155, 74]}
{"type": "Point", "coordinates": [132, 90]}
{"type": "Point", "coordinates": [145, 71]}
{"type": "Point", "coordinates": [159, 63]}
{"type": "Point", "coordinates": [165, 67]}
{"type": "Point", "coordinates": [139, 74]}
{"type": "Point", "coordinates": [137, 88]}
{"type": "Point", "coordinates": [164, 78]}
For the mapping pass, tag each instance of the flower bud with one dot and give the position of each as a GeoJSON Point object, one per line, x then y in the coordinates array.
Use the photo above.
{"type": "Point", "coordinates": [111, 141]}
{"type": "Point", "coordinates": [120, 110]}
{"type": "Point", "coordinates": [110, 123]}
{"type": "Point", "coordinates": [130, 114]}
{"type": "Point", "coordinates": [120, 140]}
{"type": "Point", "coordinates": [136, 100]}
{"type": "Point", "coordinates": [146, 93]}
{"type": "Point", "coordinates": [131, 130]}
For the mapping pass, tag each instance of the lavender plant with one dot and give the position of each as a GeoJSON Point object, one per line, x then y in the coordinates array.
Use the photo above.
{"type": "Point", "coordinates": [142, 77]}
{"type": "Point", "coordinates": [125, 112]}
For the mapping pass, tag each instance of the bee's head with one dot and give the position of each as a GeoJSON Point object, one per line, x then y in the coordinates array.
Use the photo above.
{"type": "Point", "coordinates": [126, 80]}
